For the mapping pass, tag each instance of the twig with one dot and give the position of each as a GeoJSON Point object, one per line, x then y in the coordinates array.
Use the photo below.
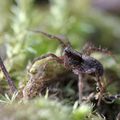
{"type": "Point", "coordinates": [7, 76]}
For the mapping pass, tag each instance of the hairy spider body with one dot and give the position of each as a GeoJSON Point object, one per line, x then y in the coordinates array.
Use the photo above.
{"type": "Point", "coordinates": [82, 64]}
{"type": "Point", "coordinates": [79, 63]}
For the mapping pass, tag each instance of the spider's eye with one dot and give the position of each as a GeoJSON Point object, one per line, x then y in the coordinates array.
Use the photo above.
{"type": "Point", "coordinates": [67, 50]}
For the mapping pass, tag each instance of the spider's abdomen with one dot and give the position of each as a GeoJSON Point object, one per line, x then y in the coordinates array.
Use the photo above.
{"type": "Point", "coordinates": [94, 65]}
{"type": "Point", "coordinates": [88, 65]}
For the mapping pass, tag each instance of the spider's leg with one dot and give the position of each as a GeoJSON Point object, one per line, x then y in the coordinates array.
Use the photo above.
{"type": "Point", "coordinates": [80, 87]}
{"type": "Point", "coordinates": [101, 50]}
{"type": "Point", "coordinates": [101, 88]}
{"type": "Point", "coordinates": [64, 41]}
{"type": "Point", "coordinates": [48, 55]}
{"type": "Point", "coordinates": [89, 48]}
{"type": "Point", "coordinates": [111, 98]}
{"type": "Point", "coordinates": [7, 76]}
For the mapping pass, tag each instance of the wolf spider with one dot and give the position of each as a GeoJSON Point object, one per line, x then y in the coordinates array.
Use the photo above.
{"type": "Point", "coordinates": [79, 62]}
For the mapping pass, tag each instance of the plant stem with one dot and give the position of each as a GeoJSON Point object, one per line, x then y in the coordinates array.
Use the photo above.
{"type": "Point", "coordinates": [7, 76]}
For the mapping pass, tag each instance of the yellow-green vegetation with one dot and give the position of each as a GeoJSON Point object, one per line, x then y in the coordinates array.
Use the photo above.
{"type": "Point", "coordinates": [43, 109]}
{"type": "Point", "coordinates": [42, 72]}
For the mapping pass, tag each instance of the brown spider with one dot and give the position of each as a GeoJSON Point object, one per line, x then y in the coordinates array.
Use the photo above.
{"type": "Point", "coordinates": [80, 63]}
